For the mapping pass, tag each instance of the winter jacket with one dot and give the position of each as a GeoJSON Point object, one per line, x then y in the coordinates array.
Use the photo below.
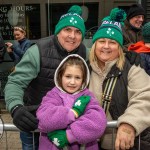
{"type": "Point", "coordinates": [130, 35]}
{"type": "Point", "coordinates": [144, 51]}
{"type": "Point", "coordinates": [137, 87]}
{"type": "Point", "coordinates": [55, 113]}
{"type": "Point", "coordinates": [19, 48]}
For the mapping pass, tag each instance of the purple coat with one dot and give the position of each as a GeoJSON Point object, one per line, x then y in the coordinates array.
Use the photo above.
{"type": "Point", "coordinates": [55, 113]}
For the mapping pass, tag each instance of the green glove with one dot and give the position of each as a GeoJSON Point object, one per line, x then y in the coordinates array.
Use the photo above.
{"type": "Point", "coordinates": [59, 138]}
{"type": "Point", "coordinates": [80, 104]}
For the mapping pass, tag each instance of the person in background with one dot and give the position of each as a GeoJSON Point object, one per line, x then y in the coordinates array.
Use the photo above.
{"type": "Point", "coordinates": [17, 50]}
{"type": "Point", "coordinates": [2, 48]}
{"type": "Point", "coordinates": [133, 24]}
{"type": "Point", "coordinates": [82, 120]}
{"type": "Point", "coordinates": [33, 75]}
{"type": "Point", "coordinates": [123, 90]}
{"type": "Point", "coordinates": [143, 47]}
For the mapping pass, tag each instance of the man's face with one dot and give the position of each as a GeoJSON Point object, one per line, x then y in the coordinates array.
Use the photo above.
{"type": "Point", "coordinates": [137, 21]}
{"type": "Point", "coordinates": [70, 38]}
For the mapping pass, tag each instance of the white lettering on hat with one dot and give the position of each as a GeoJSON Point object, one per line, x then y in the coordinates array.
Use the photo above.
{"type": "Point", "coordinates": [112, 22]}
{"type": "Point", "coordinates": [71, 14]}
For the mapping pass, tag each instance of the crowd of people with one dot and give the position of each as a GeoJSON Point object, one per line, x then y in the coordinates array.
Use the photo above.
{"type": "Point", "coordinates": [53, 88]}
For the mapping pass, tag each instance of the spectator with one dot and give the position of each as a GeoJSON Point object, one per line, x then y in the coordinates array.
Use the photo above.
{"type": "Point", "coordinates": [122, 89]}
{"type": "Point", "coordinates": [143, 47]}
{"type": "Point", "coordinates": [2, 49]}
{"type": "Point", "coordinates": [17, 50]}
{"type": "Point", "coordinates": [133, 23]}
{"type": "Point", "coordinates": [82, 120]}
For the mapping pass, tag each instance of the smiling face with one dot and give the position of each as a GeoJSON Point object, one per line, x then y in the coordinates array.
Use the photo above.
{"type": "Point", "coordinates": [137, 21]}
{"type": "Point", "coordinates": [19, 35]}
{"type": "Point", "coordinates": [72, 79]}
{"type": "Point", "coordinates": [70, 38]}
{"type": "Point", "coordinates": [106, 50]}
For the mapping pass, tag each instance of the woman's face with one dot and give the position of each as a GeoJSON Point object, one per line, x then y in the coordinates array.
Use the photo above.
{"type": "Point", "coordinates": [106, 49]}
{"type": "Point", "coordinates": [70, 38]}
{"type": "Point", "coordinates": [18, 35]}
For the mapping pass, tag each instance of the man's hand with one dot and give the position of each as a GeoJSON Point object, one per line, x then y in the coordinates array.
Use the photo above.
{"type": "Point", "coordinates": [24, 119]}
{"type": "Point", "coordinates": [125, 137]}
{"type": "Point", "coordinates": [59, 138]}
{"type": "Point", "coordinates": [80, 105]}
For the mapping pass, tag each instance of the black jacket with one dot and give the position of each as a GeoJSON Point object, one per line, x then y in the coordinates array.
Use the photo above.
{"type": "Point", "coordinates": [51, 54]}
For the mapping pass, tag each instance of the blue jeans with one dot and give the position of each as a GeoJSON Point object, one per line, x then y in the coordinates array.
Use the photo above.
{"type": "Point", "coordinates": [28, 142]}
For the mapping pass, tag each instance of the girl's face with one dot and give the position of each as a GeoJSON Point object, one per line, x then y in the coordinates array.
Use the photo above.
{"type": "Point", "coordinates": [70, 38]}
{"type": "Point", "coordinates": [106, 49]}
{"type": "Point", "coordinates": [72, 79]}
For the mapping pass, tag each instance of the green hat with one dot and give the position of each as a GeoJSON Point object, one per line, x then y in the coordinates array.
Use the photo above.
{"type": "Point", "coordinates": [146, 32]}
{"type": "Point", "coordinates": [111, 26]}
{"type": "Point", "coordinates": [72, 18]}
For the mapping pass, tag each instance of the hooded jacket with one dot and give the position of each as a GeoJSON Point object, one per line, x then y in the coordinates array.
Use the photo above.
{"type": "Point", "coordinates": [55, 113]}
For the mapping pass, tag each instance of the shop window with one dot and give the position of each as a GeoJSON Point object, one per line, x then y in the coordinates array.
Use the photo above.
{"type": "Point", "coordinates": [27, 16]}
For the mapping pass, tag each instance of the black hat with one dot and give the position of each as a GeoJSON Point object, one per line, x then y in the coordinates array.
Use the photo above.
{"type": "Point", "coordinates": [135, 10]}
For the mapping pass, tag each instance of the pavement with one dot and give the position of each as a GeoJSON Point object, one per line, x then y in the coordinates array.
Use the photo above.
{"type": "Point", "coordinates": [10, 139]}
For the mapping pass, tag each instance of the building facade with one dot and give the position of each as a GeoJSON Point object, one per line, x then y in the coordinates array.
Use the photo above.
{"type": "Point", "coordinates": [40, 17]}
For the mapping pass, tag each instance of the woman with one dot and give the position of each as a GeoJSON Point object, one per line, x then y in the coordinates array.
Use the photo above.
{"type": "Point", "coordinates": [122, 89]}
{"type": "Point", "coordinates": [17, 50]}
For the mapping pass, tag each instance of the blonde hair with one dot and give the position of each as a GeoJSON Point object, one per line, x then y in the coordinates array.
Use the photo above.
{"type": "Point", "coordinates": [20, 29]}
{"type": "Point", "coordinates": [120, 62]}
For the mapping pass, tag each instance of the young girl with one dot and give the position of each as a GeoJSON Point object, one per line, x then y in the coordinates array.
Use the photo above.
{"type": "Point", "coordinates": [69, 116]}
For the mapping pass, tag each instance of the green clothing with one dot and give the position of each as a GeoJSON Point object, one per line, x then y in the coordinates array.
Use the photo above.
{"type": "Point", "coordinates": [26, 70]}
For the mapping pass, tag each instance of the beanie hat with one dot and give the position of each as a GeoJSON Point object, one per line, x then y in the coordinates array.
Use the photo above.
{"type": "Point", "coordinates": [72, 18]}
{"type": "Point", "coordinates": [111, 26]}
{"type": "Point", "coordinates": [135, 10]}
{"type": "Point", "coordinates": [146, 32]}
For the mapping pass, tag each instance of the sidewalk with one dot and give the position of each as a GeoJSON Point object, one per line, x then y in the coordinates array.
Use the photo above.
{"type": "Point", "coordinates": [12, 142]}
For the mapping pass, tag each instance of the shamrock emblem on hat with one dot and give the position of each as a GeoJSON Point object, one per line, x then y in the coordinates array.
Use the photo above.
{"type": "Point", "coordinates": [56, 142]}
{"type": "Point", "coordinates": [110, 32]}
{"type": "Point", "coordinates": [73, 21]}
{"type": "Point", "coordinates": [78, 103]}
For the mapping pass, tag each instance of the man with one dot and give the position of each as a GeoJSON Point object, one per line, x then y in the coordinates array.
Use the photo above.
{"type": "Point", "coordinates": [133, 23]}
{"type": "Point", "coordinates": [34, 74]}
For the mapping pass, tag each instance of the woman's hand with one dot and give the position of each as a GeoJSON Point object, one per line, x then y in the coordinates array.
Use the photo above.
{"type": "Point", "coordinates": [9, 47]}
{"type": "Point", "coordinates": [125, 137]}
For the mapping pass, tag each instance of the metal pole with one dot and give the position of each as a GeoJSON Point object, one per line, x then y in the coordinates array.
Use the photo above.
{"type": "Point", "coordinates": [11, 127]}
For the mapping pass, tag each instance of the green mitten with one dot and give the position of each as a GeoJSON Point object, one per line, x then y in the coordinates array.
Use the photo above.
{"type": "Point", "coordinates": [80, 104]}
{"type": "Point", "coordinates": [59, 138]}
